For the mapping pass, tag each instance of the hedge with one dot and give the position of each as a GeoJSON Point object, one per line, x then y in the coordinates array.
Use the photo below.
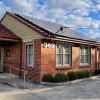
{"type": "Point", "coordinates": [60, 77]}
{"type": "Point", "coordinates": [72, 75]}
{"type": "Point", "coordinates": [97, 72]}
{"type": "Point", "coordinates": [48, 78]}
{"type": "Point", "coordinates": [83, 74]}
{"type": "Point", "coordinates": [78, 74]}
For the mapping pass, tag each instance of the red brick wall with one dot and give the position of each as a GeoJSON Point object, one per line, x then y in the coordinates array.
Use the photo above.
{"type": "Point", "coordinates": [14, 58]}
{"type": "Point", "coordinates": [32, 73]}
{"type": "Point", "coordinates": [44, 58]}
{"type": "Point", "coordinates": [48, 60]}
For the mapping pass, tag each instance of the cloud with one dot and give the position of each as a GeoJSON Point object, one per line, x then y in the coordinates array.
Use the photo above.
{"type": "Point", "coordinates": [22, 6]}
{"type": "Point", "coordinates": [98, 1]}
{"type": "Point", "coordinates": [67, 4]}
{"type": "Point", "coordinates": [93, 34]}
{"type": "Point", "coordinates": [58, 11]}
{"type": "Point", "coordinates": [96, 8]}
{"type": "Point", "coordinates": [82, 12]}
{"type": "Point", "coordinates": [79, 7]}
{"type": "Point", "coordinates": [72, 13]}
{"type": "Point", "coordinates": [80, 22]}
{"type": "Point", "coordinates": [3, 9]}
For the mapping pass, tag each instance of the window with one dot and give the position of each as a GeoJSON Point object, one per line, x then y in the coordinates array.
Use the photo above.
{"type": "Point", "coordinates": [30, 55]}
{"type": "Point", "coordinates": [63, 55]}
{"type": "Point", "coordinates": [84, 55]}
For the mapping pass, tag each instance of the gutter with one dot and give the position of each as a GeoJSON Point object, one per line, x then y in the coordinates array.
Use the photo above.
{"type": "Point", "coordinates": [7, 37]}
{"type": "Point", "coordinates": [73, 40]}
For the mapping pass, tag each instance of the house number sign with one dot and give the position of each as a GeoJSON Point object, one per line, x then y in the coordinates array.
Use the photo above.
{"type": "Point", "coordinates": [48, 45]}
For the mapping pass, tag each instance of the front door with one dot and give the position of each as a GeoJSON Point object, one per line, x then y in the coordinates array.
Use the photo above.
{"type": "Point", "coordinates": [1, 58]}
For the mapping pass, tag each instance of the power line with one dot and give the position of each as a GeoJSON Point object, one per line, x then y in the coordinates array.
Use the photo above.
{"type": "Point", "coordinates": [82, 28]}
{"type": "Point", "coordinates": [63, 29]}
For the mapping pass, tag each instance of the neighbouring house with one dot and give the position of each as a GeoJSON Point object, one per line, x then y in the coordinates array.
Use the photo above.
{"type": "Point", "coordinates": [42, 47]}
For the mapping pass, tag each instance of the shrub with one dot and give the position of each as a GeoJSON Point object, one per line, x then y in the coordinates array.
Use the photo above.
{"type": "Point", "coordinates": [60, 77]}
{"type": "Point", "coordinates": [83, 74]}
{"type": "Point", "coordinates": [88, 73]}
{"type": "Point", "coordinates": [97, 72]}
{"type": "Point", "coordinates": [78, 74]}
{"type": "Point", "coordinates": [48, 78]}
{"type": "Point", "coordinates": [72, 75]}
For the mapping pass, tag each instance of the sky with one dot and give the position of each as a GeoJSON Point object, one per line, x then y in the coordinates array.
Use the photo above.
{"type": "Point", "coordinates": [71, 13]}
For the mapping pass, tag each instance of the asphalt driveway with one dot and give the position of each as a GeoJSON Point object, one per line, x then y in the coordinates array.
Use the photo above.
{"type": "Point", "coordinates": [87, 90]}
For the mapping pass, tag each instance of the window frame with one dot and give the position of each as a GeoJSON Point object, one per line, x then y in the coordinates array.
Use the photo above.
{"type": "Point", "coordinates": [70, 55]}
{"type": "Point", "coordinates": [27, 54]}
{"type": "Point", "coordinates": [89, 56]}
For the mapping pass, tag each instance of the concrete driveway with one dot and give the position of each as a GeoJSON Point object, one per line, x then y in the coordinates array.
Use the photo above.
{"type": "Point", "coordinates": [87, 90]}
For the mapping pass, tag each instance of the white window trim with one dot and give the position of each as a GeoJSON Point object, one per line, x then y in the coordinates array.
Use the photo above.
{"type": "Point", "coordinates": [70, 53]}
{"type": "Point", "coordinates": [89, 55]}
{"type": "Point", "coordinates": [28, 41]}
{"type": "Point", "coordinates": [26, 55]}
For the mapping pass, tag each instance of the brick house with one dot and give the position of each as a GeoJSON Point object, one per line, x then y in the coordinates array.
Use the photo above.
{"type": "Point", "coordinates": [32, 44]}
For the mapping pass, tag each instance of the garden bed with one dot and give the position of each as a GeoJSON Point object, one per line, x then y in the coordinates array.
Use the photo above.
{"type": "Point", "coordinates": [51, 84]}
{"type": "Point", "coordinates": [71, 77]}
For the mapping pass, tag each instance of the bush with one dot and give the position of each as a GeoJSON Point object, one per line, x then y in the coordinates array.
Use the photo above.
{"type": "Point", "coordinates": [60, 77]}
{"type": "Point", "coordinates": [97, 72]}
{"type": "Point", "coordinates": [48, 78]}
{"type": "Point", "coordinates": [83, 74]}
{"type": "Point", "coordinates": [78, 74]}
{"type": "Point", "coordinates": [88, 73]}
{"type": "Point", "coordinates": [72, 75]}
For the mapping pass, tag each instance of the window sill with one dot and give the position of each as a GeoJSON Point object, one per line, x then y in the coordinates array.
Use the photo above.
{"type": "Point", "coordinates": [63, 68]}
{"type": "Point", "coordinates": [84, 66]}
{"type": "Point", "coordinates": [29, 66]}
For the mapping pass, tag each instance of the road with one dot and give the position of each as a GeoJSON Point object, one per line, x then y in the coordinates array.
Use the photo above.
{"type": "Point", "coordinates": [88, 90]}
